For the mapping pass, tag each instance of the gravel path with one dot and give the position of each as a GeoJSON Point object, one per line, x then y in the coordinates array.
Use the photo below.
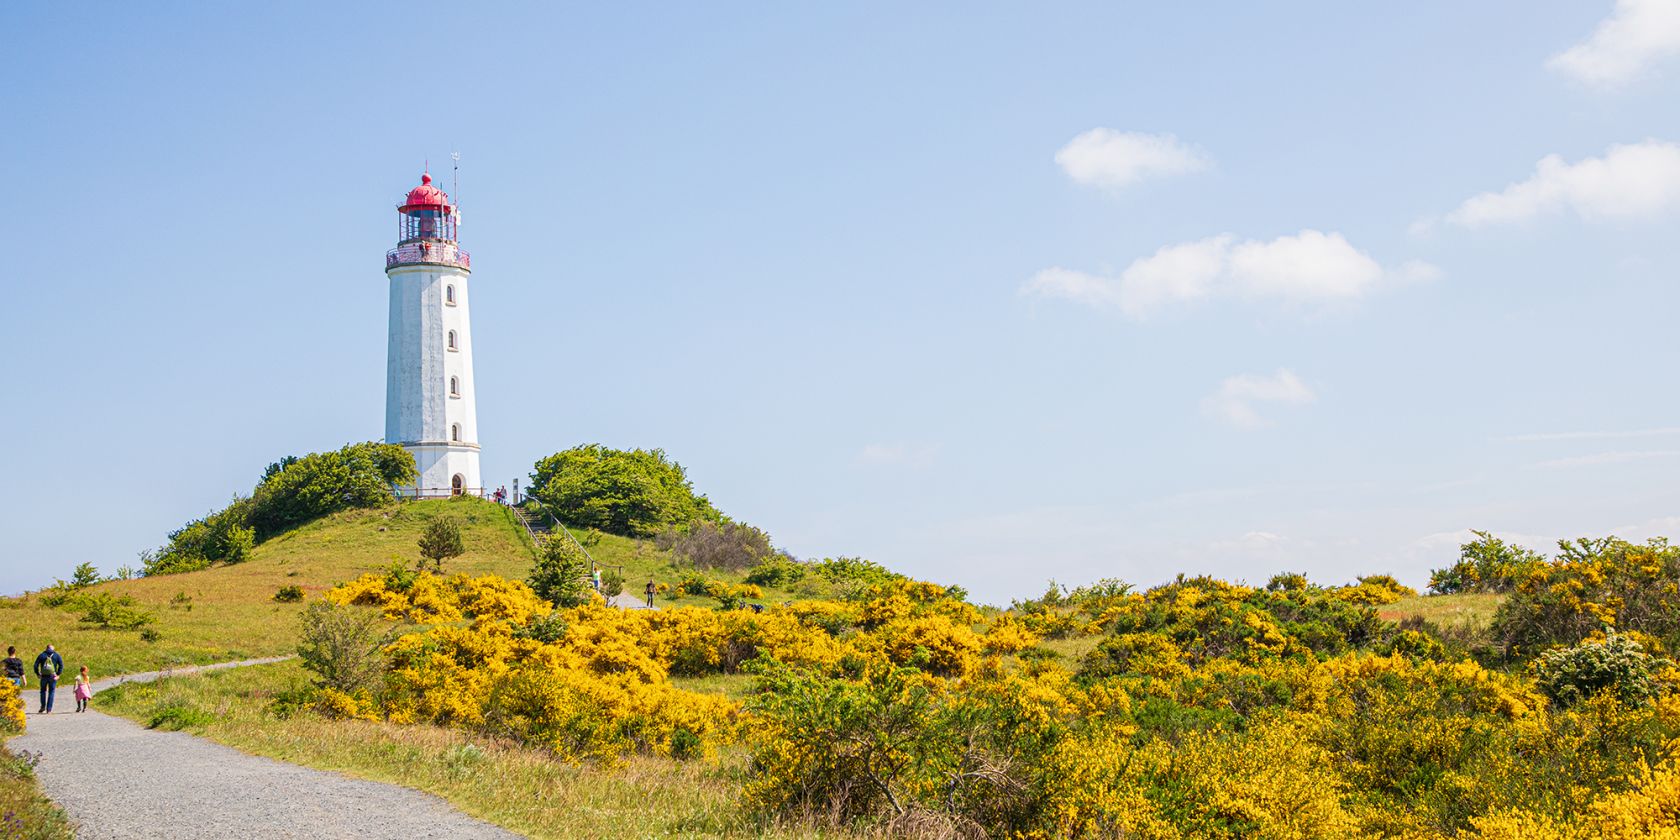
{"type": "Point", "coordinates": [118, 780]}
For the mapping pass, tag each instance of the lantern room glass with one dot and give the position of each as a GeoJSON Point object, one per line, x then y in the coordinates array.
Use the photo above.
{"type": "Point", "coordinates": [434, 223]}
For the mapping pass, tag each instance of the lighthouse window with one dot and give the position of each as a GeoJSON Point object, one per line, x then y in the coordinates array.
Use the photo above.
{"type": "Point", "coordinates": [452, 340]}
{"type": "Point", "coordinates": [449, 295]}
{"type": "Point", "coordinates": [454, 387]}
{"type": "Point", "coordinates": [455, 432]}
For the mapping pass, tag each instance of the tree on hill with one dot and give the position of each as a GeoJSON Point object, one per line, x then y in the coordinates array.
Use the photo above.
{"type": "Point", "coordinates": [441, 541]}
{"type": "Point", "coordinates": [84, 575]}
{"type": "Point", "coordinates": [633, 492]}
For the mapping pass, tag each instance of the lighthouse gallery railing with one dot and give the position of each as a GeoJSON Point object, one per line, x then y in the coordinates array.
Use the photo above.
{"type": "Point", "coordinates": [434, 253]}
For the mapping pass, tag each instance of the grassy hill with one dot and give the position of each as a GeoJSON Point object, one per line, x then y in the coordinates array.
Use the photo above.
{"type": "Point", "coordinates": [229, 612]}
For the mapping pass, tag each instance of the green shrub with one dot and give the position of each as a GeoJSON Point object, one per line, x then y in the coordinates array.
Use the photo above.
{"type": "Point", "coordinates": [165, 563]}
{"type": "Point", "coordinates": [629, 492]}
{"type": "Point", "coordinates": [561, 573]}
{"type": "Point", "coordinates": [548, 629]}
{"type": "Point", "coordinates": [343, 646]}
{"type": "Point", "coordinates": [1616, 665]}
{"type": "Point", "coordinates": [177, 715]}
{"type": "Point", "coordinates": [290, 594]}
{"type": "Point", "coordinates": [612, 583]}
{"type": "Point", "coordinates": [853, 574]}
{"type": "Point", "coordinates": [60, 594]}
{"type": "Point", "coordinates": [113, 613]}
{"type": "Point", "coordinates": [237, 544]}
{"type": "Point", "coordinates": [777, 570]}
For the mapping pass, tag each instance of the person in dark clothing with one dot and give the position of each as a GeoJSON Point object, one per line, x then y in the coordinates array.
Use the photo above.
{"type": "Point", "coordinates": [48, 666]}
{"type": "Point", "coordinates": [651, 589]}
{"type": "Point", "coordinates": [14, 667]}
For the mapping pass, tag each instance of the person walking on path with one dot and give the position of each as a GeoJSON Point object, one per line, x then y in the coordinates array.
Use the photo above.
{"type": "Point", "coordinates": [84, 690]}
{"type": "Point", "coordinates": [47, 667]}
{"type": "Point", "coordinates": [14, 668]}
{"type": "Point", "coordinates": [650, 590]}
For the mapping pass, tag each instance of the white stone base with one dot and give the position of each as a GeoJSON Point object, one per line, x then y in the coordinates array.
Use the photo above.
{"type": "Point", "coordinates": [439, 464]}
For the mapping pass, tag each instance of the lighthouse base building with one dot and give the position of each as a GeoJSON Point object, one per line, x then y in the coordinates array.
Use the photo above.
{"type": "Point", "coordinates": [429, 400]}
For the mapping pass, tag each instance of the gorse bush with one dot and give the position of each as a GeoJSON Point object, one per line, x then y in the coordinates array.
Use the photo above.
{"type": "Point", "coordinates": [12, 711]}
{"type": "Point", "coordinates": [1486, 564]}
{"type": "Point", "coordinates": [634, 492]}
{"type": "Point", "coordinates": [1590, 586]}
{"type": "Point", "coordinates": [1202, 709]}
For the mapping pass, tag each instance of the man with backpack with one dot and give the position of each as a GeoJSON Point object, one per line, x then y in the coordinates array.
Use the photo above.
{"type": "Point", "coordinates": [48, 666]}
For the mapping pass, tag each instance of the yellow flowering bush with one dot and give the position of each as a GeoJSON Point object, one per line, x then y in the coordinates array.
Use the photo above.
{"type": "Point", "coordinates": [1208, 709]}
{"type": "Point", "coordinates": [1009, 634]}
{"type": "Point", "coordinates": [427, 598]}
{"type": "Point", "coordinates": [933, 643]}
{"type": "Point", "coordinates": [12, 712]}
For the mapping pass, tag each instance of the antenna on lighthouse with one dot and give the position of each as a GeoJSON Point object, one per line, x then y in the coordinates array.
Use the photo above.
{"type": "Point", "coordinates": [455, 185]}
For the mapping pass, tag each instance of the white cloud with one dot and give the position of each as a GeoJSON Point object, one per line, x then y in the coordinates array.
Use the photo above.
{"type": "Point", "coordinates": [1630, 181]}
{"type": "Point", "coordinates": [1638, 34]}
{"type": "Point", "coordinates": [1601, 458]}
{"type": "Point", "coordinates": [1103, 157]}
{"type": "Point", "coordinates": [1235, 401]}
{"type": "Point", "coordinates": [1311, 266]}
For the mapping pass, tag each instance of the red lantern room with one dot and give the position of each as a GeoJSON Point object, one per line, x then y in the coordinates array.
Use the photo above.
{"type": "Point", "coordinates": [426, 230]}
{"type": "Point", "coordinates": [427, 213]}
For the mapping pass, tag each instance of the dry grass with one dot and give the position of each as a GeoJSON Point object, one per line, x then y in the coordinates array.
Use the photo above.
{"type": "Point", "coordinates": [1073, 648]}
{"type": "Point", "coordinates": [1468, 612]}
{"type": "Point", "coordinates": [522, 789]}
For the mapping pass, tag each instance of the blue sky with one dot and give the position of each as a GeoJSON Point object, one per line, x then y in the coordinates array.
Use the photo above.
{"type": "Point", "coordinates": [991, 294]}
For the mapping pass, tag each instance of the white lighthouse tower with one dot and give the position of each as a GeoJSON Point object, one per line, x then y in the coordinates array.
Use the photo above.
{"type": "Point", "coordinates": [429, 404]}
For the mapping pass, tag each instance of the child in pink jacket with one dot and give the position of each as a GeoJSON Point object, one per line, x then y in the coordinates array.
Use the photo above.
{"type": "Point", "coordinates": [84, 690]}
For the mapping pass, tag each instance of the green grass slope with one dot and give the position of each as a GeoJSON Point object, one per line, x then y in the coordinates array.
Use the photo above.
{"type": "Point", "coordinates": [229, 612]}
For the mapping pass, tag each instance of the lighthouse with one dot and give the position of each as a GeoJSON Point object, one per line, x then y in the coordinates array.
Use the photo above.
{"type": "Point", "coordinates": [429, 396]}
